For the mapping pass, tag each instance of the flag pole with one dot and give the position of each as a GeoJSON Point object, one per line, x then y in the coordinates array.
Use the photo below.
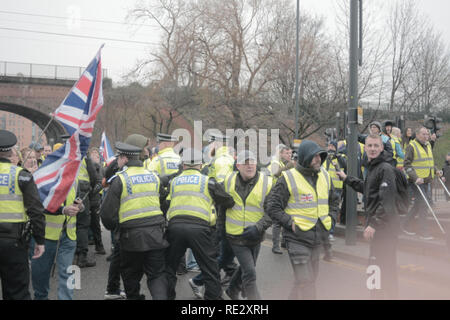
{"type": "Point", "coordinates": [39, 138]}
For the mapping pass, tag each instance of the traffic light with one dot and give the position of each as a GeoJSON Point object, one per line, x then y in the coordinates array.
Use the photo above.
{"type": "Point", "coordinates": [433, 123]}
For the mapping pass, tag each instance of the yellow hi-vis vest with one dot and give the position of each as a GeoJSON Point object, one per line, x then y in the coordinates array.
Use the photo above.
{"type": "Point", "coordinates": [305, 204]}
{"type": "Point", "coordinates": [54, 223]}
{"type": "Point", "coordinates": [337, 183]}
{"type": "Point", "coordinates": [83, 174]}
{"type": "Point", "coordinates": [423, 160]}
{"type": "Point", "coordinates": [190, 196]}
{"type": "Point", "coordinates": [221, 165]}
{"type": "Point", "coordinates": [140, 194]}
{"type": "Point", "coordinates": [165, 163]}
{"type": "Point", "coordinates": [11, 205]}
{"type": "Point", "coordinates": [243, 215]}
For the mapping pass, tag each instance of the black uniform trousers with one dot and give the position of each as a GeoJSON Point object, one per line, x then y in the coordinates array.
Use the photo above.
{"type": "Point", "coordinates": [133, 265]}
{"type": "Point", "coordinates": [83, 224]}
{"type": "Point", "coordinates": [14, 270]}
{"type": "Point", "coordinates": [200, 239]}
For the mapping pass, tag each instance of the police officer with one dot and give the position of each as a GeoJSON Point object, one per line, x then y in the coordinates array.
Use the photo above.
{"type": "Point", "coordinates": [222, 162]}
{"type": "Point", "coordinates": [246, 222]}
{"type": "Point", "coordinates": [133, 201]}
{"type": "Point", "coordinates": [19, 204]}
{"type": "Point", "coordinates": [191, 219]}
{"type": "Point", "coordinates": [168, 161]}
{"type": "Point", "coordinates": [304, 202]}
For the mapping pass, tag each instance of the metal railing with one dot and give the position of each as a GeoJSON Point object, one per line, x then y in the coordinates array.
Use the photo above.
{"type": "Point", "coordinates": [45, 71]}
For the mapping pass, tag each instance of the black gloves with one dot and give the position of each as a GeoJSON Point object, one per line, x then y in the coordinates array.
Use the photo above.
{"type": "Point", "coordinates": [251, 233]}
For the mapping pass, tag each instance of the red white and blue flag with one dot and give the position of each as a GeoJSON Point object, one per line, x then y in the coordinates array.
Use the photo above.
{"type": "Point", "coordinates": [77, 113]}
{"type": "Point", "coordinates": [106, 150]}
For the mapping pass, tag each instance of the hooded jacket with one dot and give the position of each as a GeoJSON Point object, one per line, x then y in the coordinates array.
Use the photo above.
{"type": "Point", "coordinates": [278, 198]}
{"type": "Point", "coordinates": [379, 189]}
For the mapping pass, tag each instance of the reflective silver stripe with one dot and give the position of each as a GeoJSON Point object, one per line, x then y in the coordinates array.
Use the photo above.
{"type": "Point", "coordinates": [11, 216]}
{"type": "Point", "coordinates": [161, 166]}
{"type": "Point", "coordinates": [322, 218]}
{"type": "Point", "coordinates": [191, 194]}
{"type": "Point", "coordinates": [11, 197]}
{"type": "Point", "coordinates": [325, 174]}
{"type": "Point", "coordinates": [236, 222]}
{"type": "Point", "coordinates": [139, 211]}
{"type": "Point", "coordinates": [264, 191]}
{"type": "Point", "coordinates": [304, 217]}
{"type": "Point", "coordinates": [53, 224]}
{"type": "Point", "coordinates": [237, 208]}
{"type": "Point", "coordinates": [419, 158]}
{"type": "Point", "coordinates": [190, 208]}
{"type": "Point", "coordinates": [293, 185]}
{"type": "Point", "coordinates": [139, 195]}
{"type": "Point", "coordinates": [253, 209]}
{"type": "Point", "coordinates": [302, 205]}
{"type": "Point", "coordinates": [71, 225]}
{"type": "Point", "coordinates": [229, 181]}
{"type": "Point", "coordinates": [418, 167]}
{"type": "Point", "coordinates": [322, 201]}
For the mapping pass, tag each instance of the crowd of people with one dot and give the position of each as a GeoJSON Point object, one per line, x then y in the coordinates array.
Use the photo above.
{"type": "Point", "coordinates": [160, 204]}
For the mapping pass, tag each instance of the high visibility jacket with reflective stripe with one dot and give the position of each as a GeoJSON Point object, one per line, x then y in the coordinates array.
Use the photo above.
{"type": "Point", "coordinates": [243, 215]}
{"type": "Point", "coordinates": [140, 194]}
{"type": "Point", "coordinates": [306, 205]}
{"type": "Point", "coordinates": [274, 166]}
{"type": "Point", "coordinates": [83, 174]}
{"type": "Point", "coordinates": [337, 183]}
{"type": "Point", "coordinates": [221, 165]}
{"type": "Point", "coordinates": [190, 196]}
{"type": "Point", "coordinates": [11, 205]}
{"type": "Point", "coordinates": [55, 223]}
{"type": "Point", "coordinates": [423, 160]}
{"type": "Point", "coordinates": [166, 163]}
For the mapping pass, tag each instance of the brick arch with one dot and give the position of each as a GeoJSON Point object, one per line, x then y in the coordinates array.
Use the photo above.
{"type": "Point", "coordinates": [55, 129]}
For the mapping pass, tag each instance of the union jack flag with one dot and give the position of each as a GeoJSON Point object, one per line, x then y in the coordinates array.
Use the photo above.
{"type": "Point", "coordinates": [77, 113]}
{"type": "Point", "coordinates": [306, 197]}
{"type": "Point", "coordinates": [106, 150]}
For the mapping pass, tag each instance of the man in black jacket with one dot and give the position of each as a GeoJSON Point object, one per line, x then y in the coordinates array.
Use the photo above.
{"type": "Point", "coordinates": [379, 188]}
{"type": "Point", "coordinates": [20, 202]}
{"type": "Point", "coordinates": [134, 205]}
{"type": "Point", "coordinates": [446, 174]}
{"type": "Point", "coordinates": [304, 202]}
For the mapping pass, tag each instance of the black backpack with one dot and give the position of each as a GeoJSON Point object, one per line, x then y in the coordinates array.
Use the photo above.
{"type": "Point", "coordinates": [402, 199]}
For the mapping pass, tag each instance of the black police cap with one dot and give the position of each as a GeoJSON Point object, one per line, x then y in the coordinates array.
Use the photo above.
{"type": "Point", "coordinates": [218, 137]}
{"type": "Point", "coordinates": [7, 140]}
{"type": "Point", "coordinates": [65, 137]}
{"type": "Point", "coordinates": [166, 137]}
{"type": "Point", "coordinates": [127, 149]}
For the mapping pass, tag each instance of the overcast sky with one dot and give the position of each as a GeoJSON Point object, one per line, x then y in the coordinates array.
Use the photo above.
{"type": "Point", "coordinates": [118, 56]}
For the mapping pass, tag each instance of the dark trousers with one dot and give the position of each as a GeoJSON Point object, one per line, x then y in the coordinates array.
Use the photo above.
{"type": "Point", "coordinates": [276, 232]}
{"type": "Point", "coordinates": [83, 224]}
{"type": "Point", "coordinates": [383, 253]}
{"type": "Point", "coordinates": [14, 270]}
{"type": "Point", "coordinates": [133, 265]}
{"type": "Point", "coordinates": [226, 254]}
{"type": "Point", "coordinates": [245, 276]}
{"type": "Point", "coordinates": [113, 285]}
{"type": "Point", "coordinates": [200, 239]}
{"type": "Point", "coordinates": [305, 262]}
{"type": "Point", "coordinates": [95, 224]}
{"type": "Point", "coordinates": [419, 208]}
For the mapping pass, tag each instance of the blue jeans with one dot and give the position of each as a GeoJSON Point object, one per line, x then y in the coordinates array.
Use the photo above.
{"type": "Point", "coordinates": [191, 263]}
{"type": "Point", "coordinates": [41, 268]}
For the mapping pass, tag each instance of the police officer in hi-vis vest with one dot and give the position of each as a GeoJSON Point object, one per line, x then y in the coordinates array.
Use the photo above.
{"type": "Point", "coordinates": [133, 202]}
{"type": "Point", "coordinates": [167, 162]}
{"type": "Point", "coordinates": [246, 222]}
{"type": "Point", "coordinates": [192, 218]}
{"type": "Point", "coordinates": [304, 202]}
{"type": "Point", "coordinates": [20, 204]}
